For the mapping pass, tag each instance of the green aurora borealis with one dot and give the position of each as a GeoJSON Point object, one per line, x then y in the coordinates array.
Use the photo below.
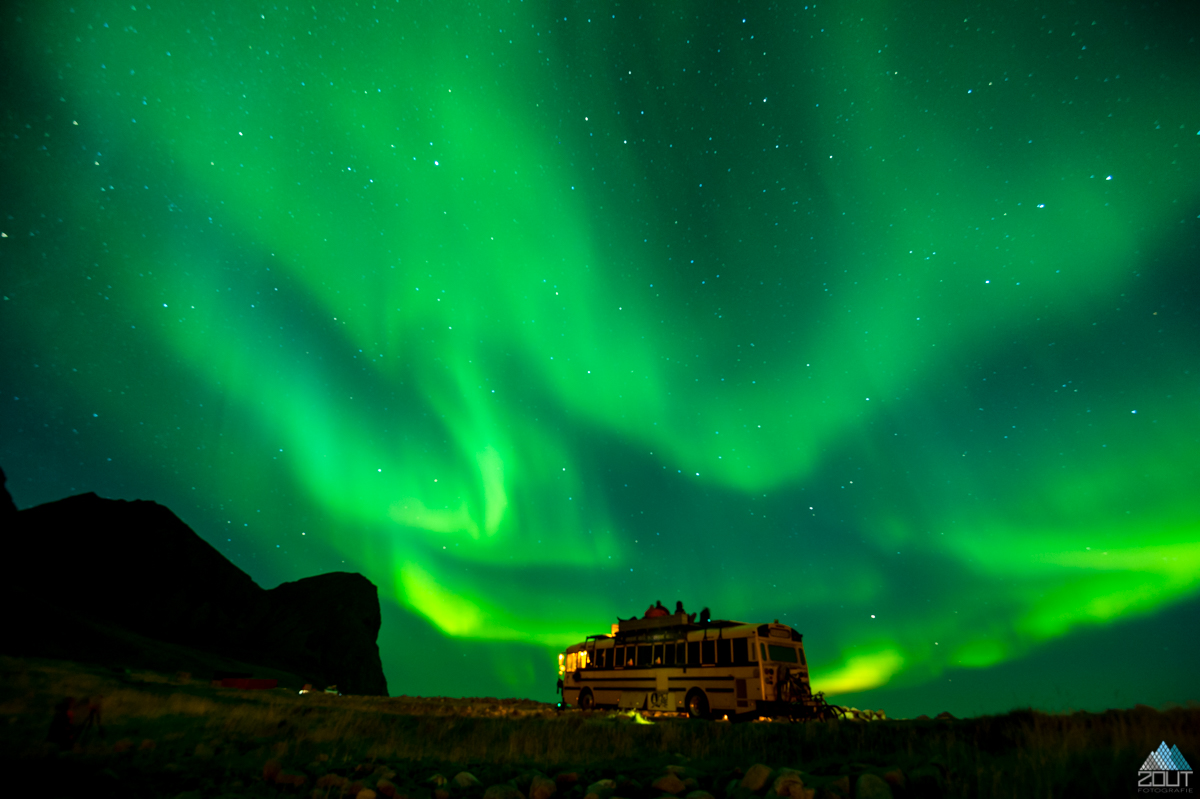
{"type": "Point", "coordinates": [535, 312]}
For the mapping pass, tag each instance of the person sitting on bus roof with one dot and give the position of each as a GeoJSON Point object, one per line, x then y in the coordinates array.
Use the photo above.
{"type": "Point", "coordinates": [656, 610]}
{"type": "Point", "coordinates": [679, 607]}
{"type": "Point", "coordinates": [705, 616]}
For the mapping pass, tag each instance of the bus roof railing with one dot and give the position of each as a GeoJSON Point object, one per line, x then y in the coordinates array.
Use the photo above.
{"type": "Point", "coordinates": [677, 622]}
{"type": "Point", "coordinates": [653, 628]}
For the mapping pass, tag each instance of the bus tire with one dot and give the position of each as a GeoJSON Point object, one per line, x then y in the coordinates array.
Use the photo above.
{"type": "Point", "coordinates": [697, 704]}
{"type": "Point", "coordinates": [586, 700]}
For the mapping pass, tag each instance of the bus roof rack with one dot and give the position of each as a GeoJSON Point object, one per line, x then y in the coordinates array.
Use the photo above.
{"type": "Point", "coordinates": [674, 620]}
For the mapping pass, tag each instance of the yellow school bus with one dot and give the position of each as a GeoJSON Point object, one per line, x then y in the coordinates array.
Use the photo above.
{"type": "Point", "coordinates": [707, 669]}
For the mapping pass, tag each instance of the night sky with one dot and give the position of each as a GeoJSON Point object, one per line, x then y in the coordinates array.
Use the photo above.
{"type": "Point", "coordinates": [881, 319]}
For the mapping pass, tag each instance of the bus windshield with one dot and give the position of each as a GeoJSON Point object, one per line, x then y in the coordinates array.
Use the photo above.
{"type": "Point", "coordinates": [782, 654]}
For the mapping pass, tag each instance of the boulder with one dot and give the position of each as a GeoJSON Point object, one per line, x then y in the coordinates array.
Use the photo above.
{"type": "Point", "coordinates": [790, 783]}
{"type": "Point", "coordinates": [872, 786]}
{"type": "Point", "coordinates": [600, 789]}
{"type": "Point", "coordinates": [669, 783]}
{"type": "Point", "coordinates": [756, 777]}
{"type": "Point", "coordinates": [895, 778]}
{"type": "Point", "coordinates": [524, 779]}
{"type": "Point", "coordinates": [785, 778]}
{"type": "Point", "coordinates": [541, 788]}
{"type": "Point", "coordinates": [465, 779]}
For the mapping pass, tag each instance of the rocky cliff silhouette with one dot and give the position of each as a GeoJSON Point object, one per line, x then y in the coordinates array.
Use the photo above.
{"type": "Point", "coordinates": [129, 584]}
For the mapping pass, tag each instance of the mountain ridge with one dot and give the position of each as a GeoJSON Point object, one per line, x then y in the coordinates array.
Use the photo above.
{"type": "Point", "coordinates": [129, 583]}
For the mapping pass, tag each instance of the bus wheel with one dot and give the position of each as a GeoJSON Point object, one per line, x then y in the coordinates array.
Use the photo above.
{"type": "Point", "coordinates": [586, 700]}
{"type": "Point", "coordinates": [697, 704]}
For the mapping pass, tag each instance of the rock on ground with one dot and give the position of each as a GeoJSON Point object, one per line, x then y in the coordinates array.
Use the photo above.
{"type": "Point", "coordinates": [785, 779]}
{"type": "Point", "coordinates": [872, 786]}
{"type": "Point", "coordinates": [669, 783]}
{"type": "Point", "coordinates": [601, 789]}
{"type": "Point", "coordinates": [541, 788]}
{"type": "Point", "coordinates": [756, 777]}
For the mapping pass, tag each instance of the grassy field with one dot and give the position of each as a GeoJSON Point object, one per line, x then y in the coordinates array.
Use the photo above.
{"type": "Point", "coordinates": [172, 736]}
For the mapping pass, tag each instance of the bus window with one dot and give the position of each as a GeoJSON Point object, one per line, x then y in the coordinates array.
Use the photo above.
{"type": "Point", "coordinates": [681, 653]}
{"type": "Point", "coordinates": [740, 656]}
{"type": "Point", "coordinates": [571, 662]}
{"type": "Point", "coordinates": [658, 654]}
{"type": "Point", "coordinates": [643, 654]}
{"type": "Point", "coordinates": [708, 652]}
{"type": "Point", "coordinates": [669, 655]}
{"type": "Point", "coordinates": [584, 660]}
{"type": "Point", "coordinates": [693, 652]}
{"type": "Point", "coordinates": [723, 657]}
{"type": "Point", "coordinates": [763, 648]}
{"type": "Point", "coordinates": [800, 652]}
{"type": "Point", "coordinates": [783, 654]}
{"type": "Point", "coordinates": [620, 656]}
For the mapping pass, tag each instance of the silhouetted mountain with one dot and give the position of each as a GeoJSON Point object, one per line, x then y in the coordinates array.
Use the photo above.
{"type": "Point", "coordinates": [103, 580]}
{"type": "Point", "coordinates": [7, 506]}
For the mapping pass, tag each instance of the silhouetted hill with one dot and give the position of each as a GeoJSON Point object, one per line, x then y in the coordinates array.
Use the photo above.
{"type": "Point", "coordinates": [128, 583]}
{"type": "Point", "coordinates": [8, 508]}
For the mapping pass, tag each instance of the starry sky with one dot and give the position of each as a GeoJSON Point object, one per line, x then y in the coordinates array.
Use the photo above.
{"type": "Point", "coordinates": [874, 318]}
